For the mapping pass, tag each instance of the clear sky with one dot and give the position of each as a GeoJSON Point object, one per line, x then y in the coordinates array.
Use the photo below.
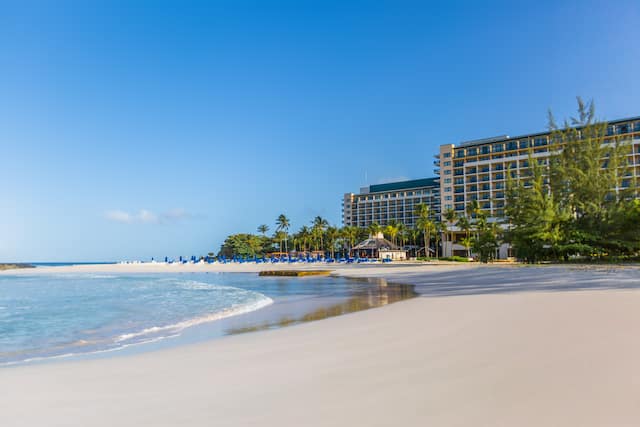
{"type": "Point", "coordinates": [157, 129]}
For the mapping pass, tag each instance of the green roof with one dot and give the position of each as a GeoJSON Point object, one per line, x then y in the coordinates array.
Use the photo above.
{"type": "Point", "coordinates": [404, 185]}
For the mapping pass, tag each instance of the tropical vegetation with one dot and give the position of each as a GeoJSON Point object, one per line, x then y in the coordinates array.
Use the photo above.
{"type": "Point", "coordinates": [579, 201]}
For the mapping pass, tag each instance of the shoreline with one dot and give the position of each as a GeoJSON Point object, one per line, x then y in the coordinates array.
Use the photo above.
{"type": "Point", "coordinates": [480, 346]}
{"type": "Point", "coordinates": [287, 301]}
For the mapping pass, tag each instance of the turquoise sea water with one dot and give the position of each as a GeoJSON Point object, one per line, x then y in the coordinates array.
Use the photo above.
{"type": "Point", "coordinates": [53, 316]}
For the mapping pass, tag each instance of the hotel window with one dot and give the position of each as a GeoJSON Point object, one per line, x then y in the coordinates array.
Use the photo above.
{"type": "Point", "coordinates": [512, 145]}
{"type": "Point", "coordinates": [447, 163]}
{"type": "Point", "coordinates": [524, 143]}
{"type": "Point", "coordinates": [448, 198]}
{"type": "Point", "coordinates": [459, 153]}
{"type": "Point", "coordinates": [485, 149]}
{"type": "Point", "coordinates": [447, 172]}
{"type": "Point", "coordinates": [447, 180]}
{"type": "Point", "coordinates": [447, 189]}
{"type": "Point", "coordinates": [637, 127]}
{"type": "Point", "coordinates": [498, 147]}
{"type": "Point", "coordinates": [624, 128]}
{"type": "Point", "coordinates": [472, 152]}
{"type": "Point", "coordinates": [538, 142]}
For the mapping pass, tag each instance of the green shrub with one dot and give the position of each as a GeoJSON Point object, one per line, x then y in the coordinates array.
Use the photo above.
{"type": "Point", "coordinates": [455, 258]}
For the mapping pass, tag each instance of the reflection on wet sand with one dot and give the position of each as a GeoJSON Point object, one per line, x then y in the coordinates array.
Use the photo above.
{"type": "Point", "coordinates": [376, 293]}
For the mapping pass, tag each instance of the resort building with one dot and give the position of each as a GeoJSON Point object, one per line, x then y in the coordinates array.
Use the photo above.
{"type": "Point", "coordinates": [395, 201]}
{"type": "Point", "coordinates": [473, 170]}
{"type": "Point", "coordinates": [477, 170]}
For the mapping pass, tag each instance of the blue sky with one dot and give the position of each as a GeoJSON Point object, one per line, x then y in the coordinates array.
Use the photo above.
{"type": "Point", "coordinates": [157, 129]}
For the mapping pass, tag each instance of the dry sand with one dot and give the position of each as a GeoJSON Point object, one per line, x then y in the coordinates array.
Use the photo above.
{"type": "Point", "coordinates": [483, 346]}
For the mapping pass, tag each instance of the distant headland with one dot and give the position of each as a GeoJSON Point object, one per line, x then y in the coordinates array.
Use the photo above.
{"type": "Point", "coordinates": [15, 265]}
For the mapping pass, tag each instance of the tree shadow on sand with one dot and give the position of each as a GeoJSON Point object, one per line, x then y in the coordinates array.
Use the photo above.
{"type": "Point", "coordinates": [509, 279]}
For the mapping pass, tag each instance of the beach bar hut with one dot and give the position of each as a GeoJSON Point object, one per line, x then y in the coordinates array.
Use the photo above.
{"type": "Point", "coordinates": [379, 247]}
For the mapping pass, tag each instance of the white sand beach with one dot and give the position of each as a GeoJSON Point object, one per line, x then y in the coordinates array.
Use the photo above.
{"type": "Point", "coordinates": [482, 346]}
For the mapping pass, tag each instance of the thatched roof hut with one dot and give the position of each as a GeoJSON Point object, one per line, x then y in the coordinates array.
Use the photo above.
{"type": "Point", "coordinates": [379, 247]}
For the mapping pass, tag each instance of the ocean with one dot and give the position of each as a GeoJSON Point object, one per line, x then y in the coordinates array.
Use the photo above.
{"type": "Point", "coordinates": [51, 316]}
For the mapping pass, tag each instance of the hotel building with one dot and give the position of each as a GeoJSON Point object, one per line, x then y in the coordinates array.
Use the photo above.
{"type": "Point", "coordinates": [394, 201]}
{"type": "Point", "coordinates": [477, 170]}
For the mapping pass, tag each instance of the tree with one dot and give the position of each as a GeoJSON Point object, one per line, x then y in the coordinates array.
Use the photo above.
{"type": "Point", "coordinates": [283, 224]}
{"type": "Point", "coordinates": [319, 225]}
{"type": "Point", "coordinates": [280, 237]}
{"type": "Point", "coordinates": [263, 229]}
{"type": "Point", "coordinates": [304, 236]}
{"type": "Point", "coordinates": [350, 234]}
{"type": "Point", "coordinates": [535, 218]}
{"type": "Point", "coordinates": [424, 224]}
{"type": "Point", "coordinates": [374, 228]}
{"type": "Point", "coordinates": [450, 216]}
{"type": "Point", "coordinates": [440, 230]}
{"type": "Point", "coordinates": [242, 245]}
{"type": "Point", "coordinates": [467, 242]}
{"type": "Point", "coordinates": [572, 205]}
{"type": "Point", "coordinates": [391, 230]}
{"type": "Point", "coordinates": [332, 234]}
{"type": "Point", "coordinates": [465, 225]}
{"type": "Point", "coordinates": [485, 243]}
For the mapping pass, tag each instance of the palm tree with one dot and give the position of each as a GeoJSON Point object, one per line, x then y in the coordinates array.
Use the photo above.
{"type": "Point", "coordinates": [466, 242]}
{"type": "Point", "coordinates": [280, 237]}
{"type": "Point", "coordinates": [441, 235]}
{"type": "Point", "coordinates": [465, 225]}
{"type": "Point", "coordinates": [473, 207]}
{"type": "Point", "coordinates": [319, 224]}
{"type": "Point", "coordinates": [332, 236]}
{"type": "Point", "coordinates": [350, 233]}
{"type": "Point", "coordinates": [424, 224]}
{"type": "Point", "coordinates": [263, 228]}
{"type": "Point", "coordinates": [305, 236]}
{"type": "Point", "coordinates": [283, 225]}
{"type": "Point", "coordinates": [374, 228]}
{"type": "Point", "coordinates": [402, 233]}
{"type": "Point", "coordinates": [473, 210]}
{"type": "Point", "coordinates": [450, 215]}
{"type": "Point", "coordinates": [414, 233]}
{"type": "Point", "coordinates": [392, 231]}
